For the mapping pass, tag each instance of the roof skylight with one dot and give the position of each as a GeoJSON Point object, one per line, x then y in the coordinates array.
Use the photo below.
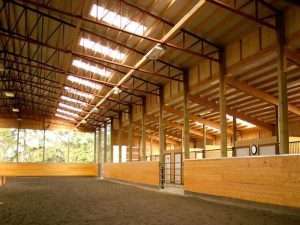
{"type": "Point", "coordinates": [88, 67]}
{"type": "Point", "coordinates": [62, 105]}
{"type": "Point", "coordinates": [241, 122]}
{"type": "Point", "coordinates": [67, 113]}
{"type": "Point", "coordinates": [68, 99]}
{"type": "Point", "coordinates": [79, 93]}
{"type": "Point", "coordinates": [84, 82]}
{"type": "Point", "coordinates": [64, 117]}
{"type": "Point", "coordinates": [104, 50]}
{"type": "Point", "coordinates": [117, 20]}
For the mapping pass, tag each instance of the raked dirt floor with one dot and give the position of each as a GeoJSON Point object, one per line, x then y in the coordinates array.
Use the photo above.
{"type": "Point", "coordinates": [87, 201]}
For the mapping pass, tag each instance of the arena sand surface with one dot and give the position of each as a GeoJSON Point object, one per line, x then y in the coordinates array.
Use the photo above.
{"type": "Point", "coordinates": [87, 201]}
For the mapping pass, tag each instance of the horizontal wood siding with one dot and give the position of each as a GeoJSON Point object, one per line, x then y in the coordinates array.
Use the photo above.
{"type": "Point", "coordinates": [136, 172]}
{"type": "Point", "coordinates": [273, 180]}
{"type": "Point", "coordinates": [47, 169]}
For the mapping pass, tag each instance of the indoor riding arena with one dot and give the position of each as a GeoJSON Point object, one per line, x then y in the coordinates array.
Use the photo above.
{"type": "Point", "coordinates": [149, 112]}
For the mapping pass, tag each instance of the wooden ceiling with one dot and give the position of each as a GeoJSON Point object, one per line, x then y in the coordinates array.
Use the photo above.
{"type": "Point", "coordinates": [39, 40]}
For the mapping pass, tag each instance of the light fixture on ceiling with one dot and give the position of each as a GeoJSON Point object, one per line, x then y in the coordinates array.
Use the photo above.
{"type": "Point", "coordinates": [84, 82]}
{"type": "Point", "coordinates": [88, 67]}
{"type": "Point", "coordinates": [9, 94]}
{"type": "Point", "coordinates": [104, 50]}
{"type": "Point", "coordinates": [84, 121]}
{"type": "Point", "coordinates": [156, 52]}
{"type": "Point", "coordinates": [116, 91]}
{"type": "Point", "coordinates": [117, 20]}
{"type": "Point", "coordinates": [16, 110]}
{"type": "Point", "coordinates": [95, 110]}
{"type": "Point", "coordinates": [64, 117]}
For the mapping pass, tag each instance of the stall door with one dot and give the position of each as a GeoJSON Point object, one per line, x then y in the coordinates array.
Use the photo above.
{"type": "Point", "coordinates": [167, 168]}
{"type": "Point", "coordinates": [178, 168]}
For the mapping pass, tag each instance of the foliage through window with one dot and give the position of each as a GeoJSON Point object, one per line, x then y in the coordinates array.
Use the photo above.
{"type": "Point", "coordinates": [57, 146]}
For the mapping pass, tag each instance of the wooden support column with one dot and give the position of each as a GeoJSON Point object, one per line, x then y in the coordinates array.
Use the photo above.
{"type": "Point", "coordinates": [120, 137]}
{"type": "Point", "coordinates": [100, 155]}
{"type": "Point", "coordinates": [282, 88]}
{"type": "Point", "coordinates": [111, 146]}
{"type": "Point", "coordinates": [186, 125]}
{"type": "Point", "coordinates": [204, 141]}
{"type": "Point", "coordinates": [276, 129]}
{"type": "Point", "coordinates": [162, 137]}
{"type": "Point", "coordinates": [234, 135]}
{"type": "Point", "coordinates": [130, 133]}
{"type": "Point", "coordinates": [222, 105]}
{"type": "Point", "coordinates": [143, 136]}
{"type": "Point", "coordinates": [95, 146]}
{"type": "Point", "coordinates": [105, 142]}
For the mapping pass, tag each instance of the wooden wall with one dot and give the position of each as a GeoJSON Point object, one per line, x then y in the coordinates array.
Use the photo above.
{"type": "Point", "coordinates": [48, 169]}
{"type": "Point", "coordinates": [2, 181]}
{"type": "Point", "coordinates": [136, 172]}
{"type": "Point", "coordinates": [273, 180]}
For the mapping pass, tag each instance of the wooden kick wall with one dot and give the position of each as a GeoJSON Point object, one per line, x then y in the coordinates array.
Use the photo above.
{"type": "Point", "coordinates": [136, 172]}
{"type": "Point", "coordinates": [48, 169]}
{"type": "Point", "coordinates": [273, 180]}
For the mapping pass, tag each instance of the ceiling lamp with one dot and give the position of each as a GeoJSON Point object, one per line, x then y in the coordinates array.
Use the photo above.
{"type": "Point", "coordinates": [9, 94]}
{"type": "Point", "coordinates": [15, 110]}
{"type": "Point", "coordinates": [84, 82]}
{"type": "Point", "coordinates": [117, 20]}
{"type": "Point", "coordinates": [94, 69]}
{"type": "Point", "coordinates": [68, 99]}
{"type": "Point", "coordinates": [104, 50]}
{"type": "Point", "coordinates": [116, 91]}
{"type": "Point", "coordinates": [156, 52]}
{"type": "Point", "coordinates": [79, 93]}
{"type": "Point", "coordinates": [64, 117]}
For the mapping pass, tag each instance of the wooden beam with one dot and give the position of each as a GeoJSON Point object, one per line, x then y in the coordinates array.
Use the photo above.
{"type": "Point", "coordinates": [209, 104]}
{"type": "Point", "coordinates": [243, 86]}
{"type": "Point", "coordinates": [283, 105]}
{"type": "Point", "coordinates": [186, 120]}
{"type": "Point", "coordinates": [120, 136]}
{"type": "Point", "coordinates": [105, 142]}
{"type": "Point", "coordinates": [293, 56]}
{"type": "Point", "coordinates": [143, 133]}
{"type": "Point", "coordinates": [162, 138]}
{"type": "Point", "coordinates": [130, 134]}
{"type": "Point", "coordinates": [192, 117]}
{"type": "Point", "coordinates": [222, 105]}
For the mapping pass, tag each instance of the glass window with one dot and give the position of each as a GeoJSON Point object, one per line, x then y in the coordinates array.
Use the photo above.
{"type": "Point", "coordinates": [31, 145]}
{"type": "Point", "coordinates": [8, 144]}
{"type": "Point", "coordinates": [81, 147]}
{"type": "Point", "coordinates": [57, 146]}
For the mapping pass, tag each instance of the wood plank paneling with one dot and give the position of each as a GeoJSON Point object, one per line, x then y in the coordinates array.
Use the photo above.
{"type": "Point", "coordinates": [272, 180]}
{"type": "Point", "coordinates": [47, 169]}
{"type": "Point", "coordinates": [136, 172]}
{"type": "Point", "coordinates": [2, 181]}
